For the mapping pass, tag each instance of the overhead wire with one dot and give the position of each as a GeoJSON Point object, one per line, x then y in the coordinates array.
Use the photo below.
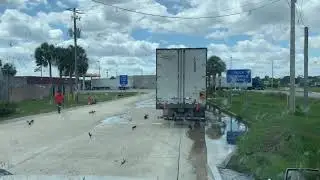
{"type": "Point", "coordinates": [183, 17]}
{"type": "Point", "coordinates": [301, 13]}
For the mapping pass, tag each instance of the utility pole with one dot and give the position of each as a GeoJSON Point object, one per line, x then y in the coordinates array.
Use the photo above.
{"type": "Point", "coordinates": [292, 98]}
{"type": "Point", "coordinates": [76, 34]}
{"type": "Point", "coordinates": [305, 91]}
{"type": "Point", "coordinates": [99, 70]}
{"type": "Point", "coordinates": [272, 75]}
{"type": "Point", "coordinates": [272, 68]}
{"type": "Point", "coordinates": [230, 62]}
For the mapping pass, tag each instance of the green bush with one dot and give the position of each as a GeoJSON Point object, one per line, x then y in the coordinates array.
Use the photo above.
{"type": "Point", "coordinates": [7, 108]}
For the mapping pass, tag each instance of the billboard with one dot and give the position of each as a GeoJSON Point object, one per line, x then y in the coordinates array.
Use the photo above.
{"type": "Point", "coordinates": [239, 77]}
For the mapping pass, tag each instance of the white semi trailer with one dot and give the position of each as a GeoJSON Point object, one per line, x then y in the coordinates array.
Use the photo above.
{"type": "Point", "coordinates": [181, 83]}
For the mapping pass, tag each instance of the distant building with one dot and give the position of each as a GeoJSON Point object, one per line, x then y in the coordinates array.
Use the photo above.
{"type": "Point", "coordinates": [144, 81]}
{"type": "Point", "coordinates": [136, 82]}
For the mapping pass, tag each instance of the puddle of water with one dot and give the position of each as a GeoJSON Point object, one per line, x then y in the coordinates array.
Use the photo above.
{"type": "Point", "coordinates": [150, 103]}
{"type": "Point", "coordinates": [219, 151]}
{"type": "Point", "coordinates": [116, 119]}
{"type": "Point", "coordinates": [198, 154]}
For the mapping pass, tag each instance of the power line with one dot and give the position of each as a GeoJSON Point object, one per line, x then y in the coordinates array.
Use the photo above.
{"type": "Point", "coordinates": [181, 17]}
{"type": "Point", "coordinates": [246, 4]}
{"type": "Point", "coordinates": [229, 9]}
{"type": "Point", "coordinates": [301, 13]}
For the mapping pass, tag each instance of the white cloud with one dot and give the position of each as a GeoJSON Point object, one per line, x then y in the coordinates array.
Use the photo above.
{"type": "Point", "coordinates": [106, 32]}
{"type": "Point", "coordinates": [258, 55]}
{"type": "Point", "coordinates": [176, 46]}
{"type": "Point", "coordinates": [20, 26]}
{"type": "Point", "coordinates": [218, 35]}
{"type": "Point", "coordinates": [61, 4]}
{"type": "Point", "coordinates": [55, 34]}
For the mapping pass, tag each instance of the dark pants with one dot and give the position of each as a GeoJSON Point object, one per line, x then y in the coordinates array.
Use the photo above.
{"type": "Point", "coordinates": [59, 107]}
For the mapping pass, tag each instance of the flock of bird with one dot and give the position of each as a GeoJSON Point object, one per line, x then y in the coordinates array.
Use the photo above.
{"type": "Point", "coordinates": [146, 116]}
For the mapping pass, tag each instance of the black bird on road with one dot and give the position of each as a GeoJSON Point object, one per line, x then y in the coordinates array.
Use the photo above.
{"type": "Point", "coordinates": [92, 112]}
{"type": "Point", "coordinates": [123, 161]}
{"type": "Point", "coordinates": [90, 135]}
{"type": "Point", "coordinates": [30, 122]}
{"type": "Point", "coordinates": [133, 127]}
{"type": "Point", "coordinates": [146, 116]}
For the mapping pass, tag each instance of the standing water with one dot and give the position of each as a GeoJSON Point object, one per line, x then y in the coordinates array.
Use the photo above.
{"type": "Point", "coordinates": [219, 147]}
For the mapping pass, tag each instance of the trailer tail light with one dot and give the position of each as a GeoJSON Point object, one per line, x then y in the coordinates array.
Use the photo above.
{"type": "Point", "coordinates": [198, 107]}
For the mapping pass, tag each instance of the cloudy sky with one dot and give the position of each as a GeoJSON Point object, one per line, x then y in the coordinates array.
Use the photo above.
{"type": "Point", "coordinates": [253, 32]}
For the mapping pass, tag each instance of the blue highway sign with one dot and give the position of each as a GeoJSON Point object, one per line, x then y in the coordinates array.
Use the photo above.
{"type": "Point", "coordinates": [123, 80]}
{"type": "Point", "coordinates": [239, 76]}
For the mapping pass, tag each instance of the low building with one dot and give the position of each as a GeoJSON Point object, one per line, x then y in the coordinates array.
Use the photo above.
{"type": "Point", "coordinates": [136, 82]}
{"type": "Point", "coordinates": [109, 83]}
{"type": "Point", "coordinates": [144, 81]}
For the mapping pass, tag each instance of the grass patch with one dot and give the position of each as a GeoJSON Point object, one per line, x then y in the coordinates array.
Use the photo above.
{"type": "Point", "coordinates": [31, 107]}
{"type": "Point", "coordinates": [276, 139]}
{"type": "Point", "coordinates": [314, 89]}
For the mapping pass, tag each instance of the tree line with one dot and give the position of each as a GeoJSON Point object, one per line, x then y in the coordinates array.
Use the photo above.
{"type": "Point", "coordinates": [8, 69]}
{"type": "Point", "coordinates": [48, 55]}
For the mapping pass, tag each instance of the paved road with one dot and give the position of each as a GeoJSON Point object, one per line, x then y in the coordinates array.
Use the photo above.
{"type": "Point", "coordinates": [59, 144]}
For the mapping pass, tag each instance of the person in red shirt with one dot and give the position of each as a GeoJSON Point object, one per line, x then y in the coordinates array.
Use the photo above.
{"type": "Point", "coordinates": [59, 98]}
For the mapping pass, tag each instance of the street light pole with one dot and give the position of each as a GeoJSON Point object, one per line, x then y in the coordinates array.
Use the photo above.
{"type": "Point", "coordinates": [99, 70]}
{"type": "Point", "coordinates": [306, 58]}
{"type": "Point", "coordinates": [272, 75]}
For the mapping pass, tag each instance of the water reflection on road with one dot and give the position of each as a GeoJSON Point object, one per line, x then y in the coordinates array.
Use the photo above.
{"type": "Point", "coordinates": [219, 151]}
{"type": "Point", "coordinates": [198, 153]}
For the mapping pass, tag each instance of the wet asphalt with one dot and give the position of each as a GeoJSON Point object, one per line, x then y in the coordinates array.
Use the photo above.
{"type": "Point", "coordinates": [60, 144]}
{"type": "Point", "coordinates": [154, 148]}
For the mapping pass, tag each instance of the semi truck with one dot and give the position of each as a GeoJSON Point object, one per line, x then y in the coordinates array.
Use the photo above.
{"type": "Point", "coordinates": [181, 83]}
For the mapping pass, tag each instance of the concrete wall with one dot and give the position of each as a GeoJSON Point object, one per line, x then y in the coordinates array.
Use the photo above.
{"type": "Point", "coordinates": [26, 88]}
{"type": "Point", "coordinates": [30, 91]}
{"type": "Point", "coordinates": [3, 87]}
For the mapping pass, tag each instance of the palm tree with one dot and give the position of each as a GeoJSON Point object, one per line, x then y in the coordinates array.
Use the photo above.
{"type": "Point", "coordinates": [215, 66]}
{"type": "Point", "coordinates": [65, 62]}
{"type": "Point", "coordinates": [61, 56]}
{"type": "Point", "coordinates": [44, 55]}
